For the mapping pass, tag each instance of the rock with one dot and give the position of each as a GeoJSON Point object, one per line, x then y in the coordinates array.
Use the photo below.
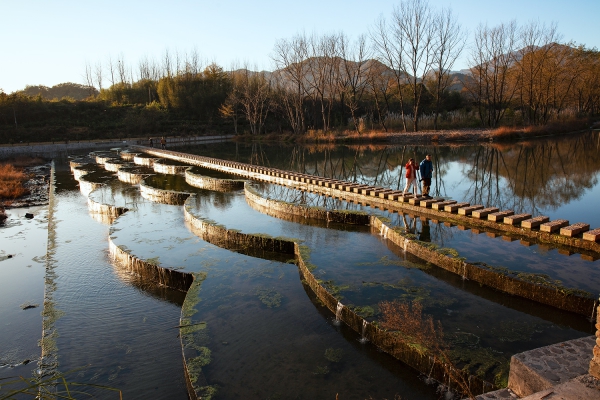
{"type": "Point", "coordinates": [28, 215]}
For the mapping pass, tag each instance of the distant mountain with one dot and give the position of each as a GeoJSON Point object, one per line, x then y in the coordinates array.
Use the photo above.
{"type": "Point", "coordinates": [62, 90]}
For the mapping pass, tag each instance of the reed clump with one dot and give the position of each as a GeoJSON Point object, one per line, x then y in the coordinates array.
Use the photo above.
{"type": "Point", "coordinates": [11, 182]}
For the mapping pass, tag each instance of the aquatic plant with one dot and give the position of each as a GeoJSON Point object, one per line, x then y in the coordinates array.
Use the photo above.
{"type": "Point", "coordinates": [269, 297]}
{"type": "Point", "coordinates": [334, 355]}
{"type": "Point", "coordinates": [321, 370]}
{"type": "Point", "coordinates": [53, 387]}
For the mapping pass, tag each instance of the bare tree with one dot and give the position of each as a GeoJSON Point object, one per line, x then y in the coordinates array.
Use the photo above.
{"type": "Point", "coordinates": [122, 69]}
{"type": "Point", "coordinates": [98, 75]}
{"type": "Point", "coordinates": [111, 69]}
{"type": "Point", "coordinates": [491, 59]}
{"type": "Point", "coordinates": [380, 83]}
{"type": "Point", "coordinates": [413, 25]}
{"type": "Point", "coordinates": [449, 43]}
{"type": "Point", "coordinates": [390, 52]}
{"type": "Point", "coordinates": [354, 58]}
{"type": "Point", "coordinates": [89, 78]}
{"type": "Point", "coordinates": [537, 42]}
{"type": "Point", "coordinates": [254, 94]}
{"type": "Point", "coordinates": [289, 58]}
{"type": "Point", "coordinates": [322, 67]}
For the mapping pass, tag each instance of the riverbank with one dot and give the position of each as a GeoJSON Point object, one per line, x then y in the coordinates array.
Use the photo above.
{"type": "Point", "coordinates": [502, 134]}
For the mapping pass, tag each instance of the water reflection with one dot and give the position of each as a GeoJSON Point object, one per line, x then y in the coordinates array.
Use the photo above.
{"type": "Point", "coordinates": [557, 176]}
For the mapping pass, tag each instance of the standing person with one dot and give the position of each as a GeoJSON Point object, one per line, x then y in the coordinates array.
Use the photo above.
{"type": "Point", "coordinates": [151, 142]}
{"type": "Point", "coordinates": [426, 169]}
{"type": "Point", "coordinates": [163, 143]}
{"type": "Point", "coordinates": [411, 177]}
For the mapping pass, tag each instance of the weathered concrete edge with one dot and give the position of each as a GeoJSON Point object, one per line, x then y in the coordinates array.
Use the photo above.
{"type": "Point", "coordinates": [507, 284]}
{"type": "Point", "coordinates": [386, 341]}
{"type": "Point", "coordinates": [163, 196]}
{"type": "Point", "coordinates": [210, 183]}
{"type": "Point", "coordinates": [273, 175]}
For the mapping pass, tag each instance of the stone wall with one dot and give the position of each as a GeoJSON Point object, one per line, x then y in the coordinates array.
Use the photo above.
{"type": "Point", "coordinates": [163, 196]}
{"type": "Point", "coordinates": [164, 276]}
{"type": "Point", "coordinates": [595, 362]}
{"type": "Point", "coordinates": [207, 182]}
{"type": "Point", "coordinates": [162, 168]}
{"type": "Point", "coordinates": [390, 342]}
{"type": "Point", "coordinates": [128, 176]}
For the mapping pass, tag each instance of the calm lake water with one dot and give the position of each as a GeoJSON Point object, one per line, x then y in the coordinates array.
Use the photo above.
{"type": "Point", "coordinates": [268, 336]}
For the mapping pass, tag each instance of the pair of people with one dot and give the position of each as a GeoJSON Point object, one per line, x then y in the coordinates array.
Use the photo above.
{"type": "Point", "coordinates": [426, 170]}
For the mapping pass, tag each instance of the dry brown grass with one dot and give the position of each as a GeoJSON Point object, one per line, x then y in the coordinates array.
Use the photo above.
{"type": "Point", "coordinates": [553, 128]}
{"type": "Point", "coordinates": [11, 182]}
{"type": "Point", "coordinates": [421, 332]}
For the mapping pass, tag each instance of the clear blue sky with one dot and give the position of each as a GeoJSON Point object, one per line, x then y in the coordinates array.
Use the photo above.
{"type": "Point", "coordinates": [49, 42]}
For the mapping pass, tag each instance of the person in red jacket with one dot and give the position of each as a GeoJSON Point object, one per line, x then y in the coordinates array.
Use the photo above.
{"type": "Point", "coordinates": [411, 177]}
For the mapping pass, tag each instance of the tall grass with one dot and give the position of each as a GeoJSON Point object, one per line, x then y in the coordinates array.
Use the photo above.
{"type": "Point", "coordinates": [11, 182]}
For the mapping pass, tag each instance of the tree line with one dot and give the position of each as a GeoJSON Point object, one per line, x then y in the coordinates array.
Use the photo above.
{"type": "Point", "coordinates": [398, 76]}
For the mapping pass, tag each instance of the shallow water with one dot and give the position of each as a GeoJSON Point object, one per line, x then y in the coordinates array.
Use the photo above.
{"type": "Point", "coordinates": [267, 334]}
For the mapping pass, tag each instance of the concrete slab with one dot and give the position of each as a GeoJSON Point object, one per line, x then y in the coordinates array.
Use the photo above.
{"type": "Point", "coordinates": [583, 387]}
{"type": "Point", "coordinates": [484, 213]}
{"type": "Point", "coordinates": [543, 368]}
{"type": "Point", "coordinates": [499, 216]}
{"type": "Point", "coordinates": [575, 229]}
{"type": "Point", "coordinates": [516, 219]}
{"type": "Point", "coordinates": [553, 225]}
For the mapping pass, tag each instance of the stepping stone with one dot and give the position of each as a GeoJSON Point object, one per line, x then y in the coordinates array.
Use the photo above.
{"type": "Point", "coordinates": [484, 213]}
{"type": "Point", "coordinates": [553, 225]}
{"type": "Point", "coordinates": [499, 216]}
{"type": "Point", "coordinates": [394, 195]}
{"type": "Point", "coordinates": [534, 222]}
{"type": "Point", "coordinates": [358, 188]}
{"type": "Point", "coordinates": [469, 210]}
{"type": "Point", "coordinates": [375, 192]}
{"type": "Point", "coordinates": [405, 198]}
{"type": "Point", "coordinates": [451, 208]}
{"type": "Point", "coordinates": [592, 236]}
{"type": "Point", "coordinates": [416, 200]}
{"type": "Point", "coordinates": [440, 206]}
{"type": "Point", "coordinates": [384, 194]}
{"type": "Point", "coordinates": [367, 190]}
{"type": "Point", "coordinates": [427, 203]}
{"type": "Point", "coordinates": [575, 229]}
{"type": "Point", "coordinates": [516, 219]}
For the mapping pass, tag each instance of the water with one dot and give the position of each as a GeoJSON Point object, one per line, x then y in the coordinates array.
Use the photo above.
{"type": "Point", "coordinates": [267, 334]}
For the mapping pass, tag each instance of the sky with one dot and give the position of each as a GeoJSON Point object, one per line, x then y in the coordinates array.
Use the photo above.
{"type": "Point", "coordinates": [49, 42]}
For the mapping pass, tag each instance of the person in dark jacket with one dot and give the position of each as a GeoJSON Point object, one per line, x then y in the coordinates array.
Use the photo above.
{"type": "Point", "coordinates": [426, 170]}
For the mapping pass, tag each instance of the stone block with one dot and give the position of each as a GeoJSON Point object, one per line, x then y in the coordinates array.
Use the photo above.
{"type": "Point", "coordinates": [575, 229]}
{"type": "Point", "coordinates": [428, 202]}
{"type": "Point", "coordinates": [500, 215]}
{"type": "Point", "coordinates": [415, 201]}
{"type": "Point", "coordinates": [592, 236]}
{"type": "Point", "coordinates": [544, 368]}
{"type": "Point", "coordinates": [384, 194]}
{"type": "Point", "coordinates": [516, 219]}
{"type": "Point", "coordinates": [366, 190]}
{"type": "Point", "coordinates": [469, 210]}
{"type": "Point", "coordinates": [479, 214]}
{"type": "Point", "coordinates": [452, 208]}
{"type": "Point", "coordinates": [553, 226]}
{"type": "Point", "coordinates": [532, 223]}
{"type": "Point", "coordinates": [440, 206]}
